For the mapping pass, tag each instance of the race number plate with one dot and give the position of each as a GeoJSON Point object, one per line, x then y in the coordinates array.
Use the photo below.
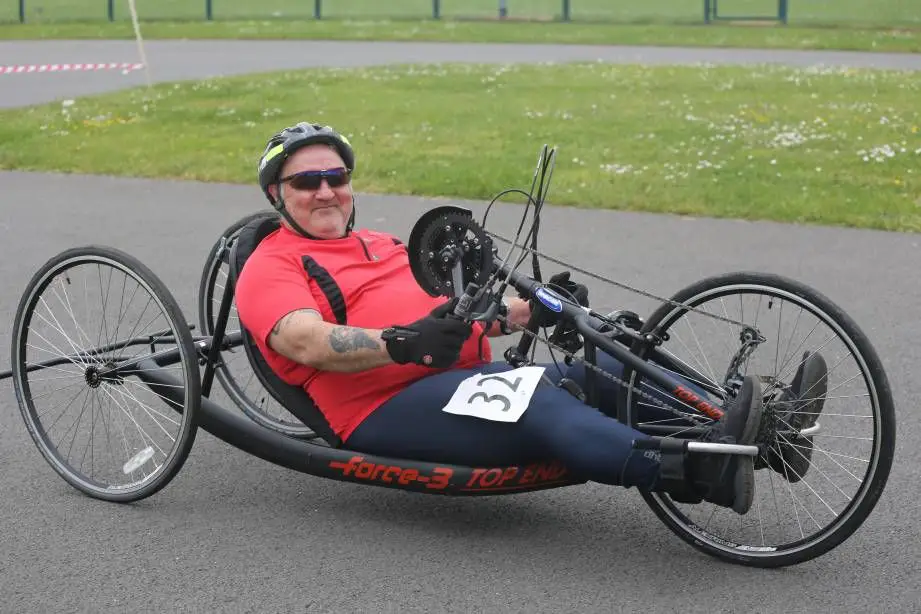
{"type": "Point", "coordinates": [501, 397]}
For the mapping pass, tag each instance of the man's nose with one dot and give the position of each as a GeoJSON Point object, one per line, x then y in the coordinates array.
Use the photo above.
{"type": "Point", "coordinates": [324, 191]}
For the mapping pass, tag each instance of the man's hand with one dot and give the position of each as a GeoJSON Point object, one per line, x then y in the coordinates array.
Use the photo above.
{"type": "Point", "coordinates": [566, 288]}
{"type": "Point", "coordinates": [433, 341]}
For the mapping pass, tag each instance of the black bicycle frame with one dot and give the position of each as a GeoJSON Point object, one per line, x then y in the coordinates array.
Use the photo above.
{"type": "Point", "coordinates": [589, 326]}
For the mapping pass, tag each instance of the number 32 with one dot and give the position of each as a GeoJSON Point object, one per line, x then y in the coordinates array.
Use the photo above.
{"type": "Point", "coordinates": [488, 398]}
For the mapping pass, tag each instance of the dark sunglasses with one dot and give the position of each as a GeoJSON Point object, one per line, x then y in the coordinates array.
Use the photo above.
{"type": "Point", "coordinates": [311, 180]}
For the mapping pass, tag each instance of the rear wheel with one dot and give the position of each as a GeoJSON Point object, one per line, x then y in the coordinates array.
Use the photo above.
{"type": "Point", "coordinates": [794, 518]}
{"type": "Point", "coordinates": [233, 371]}
{"type": "Point", "coordinates": [90, 319]}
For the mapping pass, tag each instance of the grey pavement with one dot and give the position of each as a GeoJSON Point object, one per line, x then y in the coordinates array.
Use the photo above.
{"type": "Point", "coordinates": [171, 60]}
{"type": "Point", "coordinates": [234, 533]}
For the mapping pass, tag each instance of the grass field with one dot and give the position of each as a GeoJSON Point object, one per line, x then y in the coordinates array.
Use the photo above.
{"type": "Point", "coordinates": [804, 12]}
{"type": "Point", "coordinates": [885, 25]}
{"type": "Point", "coordinates": [821, 146]}
{"type": "Point", "coordinates": [894, 40]}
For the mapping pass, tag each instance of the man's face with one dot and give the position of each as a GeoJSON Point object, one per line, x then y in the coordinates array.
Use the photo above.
{"type": "Point", "coordinates": [324, 211]}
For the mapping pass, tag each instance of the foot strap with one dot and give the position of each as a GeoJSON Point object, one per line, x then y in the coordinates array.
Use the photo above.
{"type": "Point", "coordinates": [673, 457]}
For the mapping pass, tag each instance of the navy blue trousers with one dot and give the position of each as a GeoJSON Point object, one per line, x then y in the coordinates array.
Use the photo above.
{"type": "Point", "coordinates": [556, 425]}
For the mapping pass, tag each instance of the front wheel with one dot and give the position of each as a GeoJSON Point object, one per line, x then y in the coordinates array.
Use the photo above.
{"type": "Point", "coordinates": [820, 472]}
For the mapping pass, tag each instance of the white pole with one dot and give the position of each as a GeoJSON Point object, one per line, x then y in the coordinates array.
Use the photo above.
{"type": "Point", "coordinates": [140, 41]}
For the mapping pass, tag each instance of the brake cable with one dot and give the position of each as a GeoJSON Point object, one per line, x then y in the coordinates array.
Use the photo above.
{"type": "Point", "coordinates": [622, 285]}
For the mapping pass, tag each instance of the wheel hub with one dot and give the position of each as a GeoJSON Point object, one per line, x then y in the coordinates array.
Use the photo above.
{"type": "Point", "coordinates": [95, 375]}
{"type": "Point", "coordinates": [93, 379]}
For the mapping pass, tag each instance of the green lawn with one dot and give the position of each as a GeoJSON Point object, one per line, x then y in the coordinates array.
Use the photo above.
{"type": "Point", "coordinates": [822, 146]}
{"type": "Point", "coordinates": [882, 12]}
{"type": "Point", "coordinates": [886, 25]}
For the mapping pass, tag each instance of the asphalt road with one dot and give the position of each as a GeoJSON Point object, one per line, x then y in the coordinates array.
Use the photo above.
{"type": "Point", "coordinates": [179, 60]}
{"type": "Point", "coordinates": [234, 533]}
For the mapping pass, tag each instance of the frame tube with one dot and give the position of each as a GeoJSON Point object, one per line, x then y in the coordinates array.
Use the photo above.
{"type": "Point", "coordinates": [351, 466]}
{"type": "Point", "coordinates": [588, 326]}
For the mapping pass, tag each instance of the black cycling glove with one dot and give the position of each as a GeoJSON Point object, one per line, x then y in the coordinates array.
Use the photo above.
{"type": "Point", "coordinates": [433, 341]}
{"type": "Point", "coordinates": [566, 288]}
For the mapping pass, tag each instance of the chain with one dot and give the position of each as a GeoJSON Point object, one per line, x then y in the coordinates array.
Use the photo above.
{"type": "Point", "coordinates": [611, 376]}
{"type": "Point", "coordinates": [613, 282]}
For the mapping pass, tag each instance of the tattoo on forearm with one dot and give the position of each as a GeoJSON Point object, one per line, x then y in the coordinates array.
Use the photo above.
{"type": "Point", "coordinates": [343, 339]}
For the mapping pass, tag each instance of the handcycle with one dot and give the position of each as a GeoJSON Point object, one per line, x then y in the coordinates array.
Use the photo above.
{"type": "Point", "coordinates": [113, 382]}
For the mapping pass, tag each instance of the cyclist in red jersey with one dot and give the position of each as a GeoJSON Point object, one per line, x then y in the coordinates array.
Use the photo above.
{"type": "Point", "coordinates": [383, 361]}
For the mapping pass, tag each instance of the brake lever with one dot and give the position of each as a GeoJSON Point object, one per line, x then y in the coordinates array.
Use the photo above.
{"type": "Point", "coordinates": [477, 305]}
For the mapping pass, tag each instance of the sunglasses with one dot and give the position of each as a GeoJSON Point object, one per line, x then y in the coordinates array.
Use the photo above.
{"type": "Point", "coordinates": [311, 180]}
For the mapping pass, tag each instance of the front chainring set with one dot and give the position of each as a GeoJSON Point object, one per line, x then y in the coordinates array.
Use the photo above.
{"type": "Point", "coordinates": [448, 250]}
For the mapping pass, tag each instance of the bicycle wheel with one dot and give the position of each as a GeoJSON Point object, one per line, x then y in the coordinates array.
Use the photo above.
{"type": "Point", "coordinates": [89, 320]}
{"type": "Point", "coordinates": [843, 456]}
{"type": "Point", "coordinates": [233, 370]}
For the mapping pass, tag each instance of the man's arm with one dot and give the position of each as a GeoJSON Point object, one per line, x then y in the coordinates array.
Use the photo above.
{"type": "Point", "coordinates": [305, 338]}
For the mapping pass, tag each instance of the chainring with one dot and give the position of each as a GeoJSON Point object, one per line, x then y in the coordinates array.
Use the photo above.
{"type": "Point", "coordinates": [438, 239]}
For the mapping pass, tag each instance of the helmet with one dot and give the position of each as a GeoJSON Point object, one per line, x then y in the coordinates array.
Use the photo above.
{"type": "Point", "coordinates": [289, 140]}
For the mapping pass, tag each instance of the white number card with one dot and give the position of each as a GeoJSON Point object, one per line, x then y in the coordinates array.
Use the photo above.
{"type": "Point", "coordinates": [501, 397]}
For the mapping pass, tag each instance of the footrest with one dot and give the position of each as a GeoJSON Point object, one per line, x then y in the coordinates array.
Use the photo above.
{"type": "Point", "coordinates": [672, 454]}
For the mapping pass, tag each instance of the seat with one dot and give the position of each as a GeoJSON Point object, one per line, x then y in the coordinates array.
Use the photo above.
{"type": "Point", "coordinates": [293, 398]}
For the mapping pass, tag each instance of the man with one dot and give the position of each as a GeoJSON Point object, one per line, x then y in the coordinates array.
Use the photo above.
{"type": "Point", "coordinates": [381, 360]}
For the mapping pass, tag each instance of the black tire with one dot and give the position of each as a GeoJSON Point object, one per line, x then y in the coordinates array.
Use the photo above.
{"type": "Point", "coordinates": [100, 372]}
{"type": "Point", "coordinates": [234, 373]}
{"type": "Point", "coordinates": [846, 349]}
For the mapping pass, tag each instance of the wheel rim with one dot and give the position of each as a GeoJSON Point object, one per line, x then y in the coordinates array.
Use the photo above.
{"type": "Point", "coordinates": [235, 374]}
{"type": "Point", "coordinates": [100, 427]}
{"type": "Point", "coordinates": [785, 517]}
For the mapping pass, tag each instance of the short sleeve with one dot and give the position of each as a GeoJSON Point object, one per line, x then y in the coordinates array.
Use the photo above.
{"type": "Point", "coordinates": [270, 286]}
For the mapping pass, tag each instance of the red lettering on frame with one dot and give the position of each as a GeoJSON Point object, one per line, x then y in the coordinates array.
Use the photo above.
{"type": "Point", "coordinates": [491, 477]}
{"type": "Point", "coordinates": [475, 477]}
{"type": "Point", "coordinates": [441, 478]}
{"type": "Point", "coordinates": [408, 475]}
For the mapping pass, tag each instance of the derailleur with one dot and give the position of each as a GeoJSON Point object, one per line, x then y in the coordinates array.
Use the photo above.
{"type": "Point", "coordinates": [750, 339]}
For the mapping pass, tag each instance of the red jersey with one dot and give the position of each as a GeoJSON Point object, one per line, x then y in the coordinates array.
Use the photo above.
{"type": "Point", "coordinates": [372, 271]}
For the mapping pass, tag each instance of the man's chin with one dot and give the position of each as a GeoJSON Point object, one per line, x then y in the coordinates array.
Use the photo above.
{"type": "Point", "coordinates": [327, 223]}
{"type": "Point", "coordinates": [328, 231]}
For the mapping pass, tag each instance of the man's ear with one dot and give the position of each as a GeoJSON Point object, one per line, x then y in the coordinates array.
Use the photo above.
{"type": "Point", "coordinates": [273, 191]}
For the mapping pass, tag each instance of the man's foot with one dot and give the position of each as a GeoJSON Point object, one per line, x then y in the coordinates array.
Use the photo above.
{"type": "Point", "coordinates": [727, 480]}
{"type": "Point", "coordinates": [798, 409]}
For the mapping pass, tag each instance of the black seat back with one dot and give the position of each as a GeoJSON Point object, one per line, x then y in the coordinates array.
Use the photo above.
{"type": "Point", "coordinates": [293, 398]}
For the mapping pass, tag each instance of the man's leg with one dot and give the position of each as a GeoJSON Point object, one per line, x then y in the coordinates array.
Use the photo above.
{"type": "Point", "coordinates": [555, 426]}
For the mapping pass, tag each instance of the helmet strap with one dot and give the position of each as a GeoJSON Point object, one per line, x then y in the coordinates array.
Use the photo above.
{"type": "Point", "coordinates": [351, 222]}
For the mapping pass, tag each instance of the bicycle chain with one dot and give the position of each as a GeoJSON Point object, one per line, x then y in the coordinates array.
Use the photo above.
{"type": "Point", "coordinates": [610, 376]}
{"type": "Point", "coordinates": [613, 282]}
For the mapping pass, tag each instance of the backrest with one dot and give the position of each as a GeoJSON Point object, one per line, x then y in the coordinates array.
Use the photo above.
{"type": "Point", "coordinates": [293, 398]}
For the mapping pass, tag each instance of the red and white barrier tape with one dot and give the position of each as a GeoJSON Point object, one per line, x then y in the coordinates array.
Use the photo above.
{"type": "Point", "coordinates": [40, 68]}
